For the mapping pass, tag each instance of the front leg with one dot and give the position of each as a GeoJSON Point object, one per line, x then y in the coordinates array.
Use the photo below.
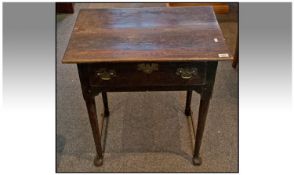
{"type": "Point", "coordinates": [203, 108]}
{"type": "Point", "coordinates": [91, 108]}
{"type": "Point", "coordinates": [89, 98]}
{"type": "Point", "coordinates": [206, 93]}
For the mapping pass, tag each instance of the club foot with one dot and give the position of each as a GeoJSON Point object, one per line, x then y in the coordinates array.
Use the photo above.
{"type": "Point", "coordinates": [98, 161]}
{"type": "Point", "coordinates": [197, 161]}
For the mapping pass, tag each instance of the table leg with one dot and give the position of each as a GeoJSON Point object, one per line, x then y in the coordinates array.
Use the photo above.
{"type": "Point", "coordinates": [236, 55]}
{"type": "Point", "coordinates": [91, 107]}
{"type": "Point", "coordinates": [89, 98]}
{"type": "Point", "coordinates": [188, 103]}
{"type": "Point", "coordinates": [105, 103]}
{"type": "Point", "coordinates": [203, 108]}
{"type": "Point", "coordinates": [206, 94]}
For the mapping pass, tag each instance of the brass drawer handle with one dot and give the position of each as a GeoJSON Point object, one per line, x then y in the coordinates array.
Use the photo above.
{"type": "Point", "coordinates": [147, 68]}
{"type": "Point", "coordinates": [106, 74]}
{"type": "Point", "coordinates": [186, 73]}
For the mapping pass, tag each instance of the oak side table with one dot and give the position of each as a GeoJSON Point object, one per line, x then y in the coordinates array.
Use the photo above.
{"type": "Point", "coordinates": [146, 49]}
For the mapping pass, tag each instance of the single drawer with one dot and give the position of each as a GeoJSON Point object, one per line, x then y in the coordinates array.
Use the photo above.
{"type": "Point", "coordinates": [147, 74]}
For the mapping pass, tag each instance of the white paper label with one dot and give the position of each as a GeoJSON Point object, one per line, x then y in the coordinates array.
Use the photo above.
{"type": "Point", "coordinates": [215, 40]}
{"type": "Point", "coordinates": [222, 55]}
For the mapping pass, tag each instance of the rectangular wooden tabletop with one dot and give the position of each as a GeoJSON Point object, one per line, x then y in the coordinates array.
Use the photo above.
{"type": "Point", "coordinates": [158, 34]}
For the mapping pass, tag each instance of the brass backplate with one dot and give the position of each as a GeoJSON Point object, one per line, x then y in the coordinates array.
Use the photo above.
{"type": "Point", "coordinates": [147, 68]}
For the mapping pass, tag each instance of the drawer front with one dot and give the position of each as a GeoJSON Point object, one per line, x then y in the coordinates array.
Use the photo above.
{"type": "Point", "coordinates": [146, 74]}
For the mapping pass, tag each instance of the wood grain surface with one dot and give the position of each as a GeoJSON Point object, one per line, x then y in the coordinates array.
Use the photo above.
{"type": "Point", "coordinates": [128, 75]}
{"type": "Point", "coordinates": [157, 34]}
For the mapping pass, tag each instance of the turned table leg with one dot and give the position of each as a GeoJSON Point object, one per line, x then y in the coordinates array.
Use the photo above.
{"type": "Point", "coordinates": [203, 108]}
{"type": "Point", "coordinates": [89, 98]}
{"type": "Point", "coordinates": [188, 103]}
{"type": "Point", "coordinates": [206, 93]}
{"type": "Point", "coordinates": [105, 103]}
{"type": "Point", "coordinates": [91, 107]}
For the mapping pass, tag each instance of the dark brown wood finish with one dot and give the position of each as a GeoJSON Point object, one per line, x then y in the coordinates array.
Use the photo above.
{"type": "Point", "coordinates": [92, 112]}
{"type": "Point", "coordinates": [127, 74]}
{"type": "Point", "coordinates": [105, 103]}
{"type": "Point", "coordinates": [188, 103]}
{"type": "Point", "coordinates": [218, 7]}
{"type": "Point", "coordinates": [149, 49]}
{"type": "Point", "coordinates": [146, 34]}
{"type": "Point", "coordinates": [64, 7]}
{"type": "Point", "coordinates": [206, 94]}
{"type": "Point", "coordinates": [236, 55]}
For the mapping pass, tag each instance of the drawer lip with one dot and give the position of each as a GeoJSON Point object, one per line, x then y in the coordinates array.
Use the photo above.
{"type": "Point", "coordinates": [128, 75]}
{"type": "Point", "coordinates": [146, 88]}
